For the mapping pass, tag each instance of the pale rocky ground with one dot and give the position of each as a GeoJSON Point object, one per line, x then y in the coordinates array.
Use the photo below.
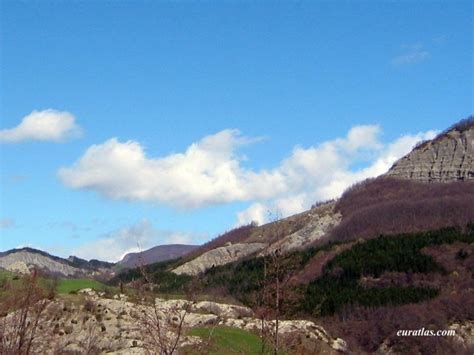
{"type": "Point", "coordinates": [464, 335]}
{"type": "Point", "coordinates": [113, 324]}
{"type": "Point", "coordinates": [318, 222]}
{"type": "Point", "coordinates": [17, 262]}
{"type": "Point", "coordinates": [449, 158]}
{"type": "Point", "coordinates": [219, 256]}
{"type": "Point", "coordinates": [464, 332]}
{"type": "Point", "coordinates": [18, 267]}
{"type": "Point", "coordinates": [322, 220]}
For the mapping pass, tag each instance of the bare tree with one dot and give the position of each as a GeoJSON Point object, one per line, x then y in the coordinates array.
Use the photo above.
{"type": "Point", "coordinates": [161, 329]}
{"type": "Point", "coordinates": [271, 291]}
{"type": "Point", "coordinates": [24, 321]}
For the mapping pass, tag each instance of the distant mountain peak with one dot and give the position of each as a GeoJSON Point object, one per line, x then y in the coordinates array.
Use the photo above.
{"type": "Point", "coordinates": [21, 259]}
{"type": "Point", "coordinates": [156, 254]}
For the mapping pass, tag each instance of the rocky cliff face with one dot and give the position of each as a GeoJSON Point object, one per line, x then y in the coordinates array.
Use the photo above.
{"type": "Point", "coordinates": [448, 157]}
{"type": "Point", "coordinates": [22, 260]}
{"type": "Point", "coordinates": [321, 220]}
{"type": "Point", "coordinates": [218, 256]}
{"type": "Point", "coordinates": [25, 259]}
{"type": "Point", "coordinates": [295, 232]}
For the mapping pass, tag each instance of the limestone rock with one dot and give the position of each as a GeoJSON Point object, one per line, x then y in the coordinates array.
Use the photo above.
{"type": "Point", "coordinates": [19, 267]}
{"type": "Point", "coordinates": [448, 157]}
{"type": "Point", "coordinates": [322, 220]}
{"type": "Point", "coordinates": [38, 260]}
{"type": "Point", "coordinates": [218, 256]}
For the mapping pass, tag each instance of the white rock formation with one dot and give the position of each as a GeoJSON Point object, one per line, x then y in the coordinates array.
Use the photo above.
{"type": "Point", "coordinates": [218, 256]}
{"type": "Point", "coordinates": [323, 219]}
{"type": "Point", "coordinates": [113, 326]}
{"type": "Point", "coordinates": [18, 267]}
{"type": "Point", "coordinates": [449, 157]}
{"type": "Point", "coordinates": [39, 261]}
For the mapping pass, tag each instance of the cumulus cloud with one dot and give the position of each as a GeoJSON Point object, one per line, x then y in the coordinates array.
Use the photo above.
{"type": "Point", "coordinates": [207, 173]}
{"type": "Point", "coordinates": [327, 175]}
{"type": "Point", "coordinates": [138, 237]}
{"type": "Point", "coordinates": [47, 125]}
{"type": "Point", "coordinates": [6, 223]}
{"type": "Point", "coordinates": [210, 172]}
{"type": "Point", "coordinates": [412, 54]}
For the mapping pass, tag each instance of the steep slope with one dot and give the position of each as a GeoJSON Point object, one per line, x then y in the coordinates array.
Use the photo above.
{"type": "Point", "coordinates": [448, 157]}
{"type": "Point", "coordinates": [21, 260]}
{"type": "Point", "coordinates": [398, 202]}
{"type": "Point", "coordinates": [218, 256]}
{"type": "Point", "coordinates": [24, 259]}
{"type": "Point", "coordinates": [156, 254]}
{"type": "Point", "coordinates": [294, 232]}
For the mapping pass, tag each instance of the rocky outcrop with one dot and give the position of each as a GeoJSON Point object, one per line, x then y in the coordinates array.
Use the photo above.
{"type": "Point", "coordinates": [464, 333]}
{"type": "Point", "coordinates": [218, 256]}
{"type": "Point", "coordinates": [113, 326]}
{"type": "Point", "coordinates": [448, 157]}
{"type": "Point", "coordinates": [12, 260]}
{"type": "Point", "coordinates": [321, 220]}
{"type": "Point", "coordinates": [18, 267]}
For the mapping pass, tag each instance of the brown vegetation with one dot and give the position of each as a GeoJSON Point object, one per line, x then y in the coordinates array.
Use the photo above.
{"type": "Point", "coordinates": [236, 235]}
{"type": "Point", "coordinates": [23, 322]}
{"type": "Point", "coordinates": [391, 206]}
{"type": "Point", "coordinates": [366, 329]}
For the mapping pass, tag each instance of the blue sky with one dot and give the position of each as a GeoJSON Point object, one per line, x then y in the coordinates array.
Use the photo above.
{"type": "Point", "coordinates": [157, 122]}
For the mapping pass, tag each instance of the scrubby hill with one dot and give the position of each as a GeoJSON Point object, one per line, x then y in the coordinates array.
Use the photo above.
{"type": "Point", "coordinates": [392, 206]}
{"type": "Point", "coordinates": [394, 252]}
{"type": "Point", "coordinates": [156, 254]}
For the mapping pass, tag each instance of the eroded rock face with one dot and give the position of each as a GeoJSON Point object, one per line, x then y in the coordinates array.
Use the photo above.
{"type": "Point", "coordinates": [18, 267]}
{"type": "Point", "coordinates": [13, 260]}
{"type": "Point", "coordinates": [218, 256]}
{"type": "Point", "coordinates": [449, 157]}
{"type": "Point", "coordinates": [323, 219]}
{"type": "Point", "coordinates": [112, 326]}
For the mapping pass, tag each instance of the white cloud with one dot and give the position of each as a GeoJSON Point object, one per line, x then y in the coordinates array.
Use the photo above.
{"type": "Point", "coordinates": [6, 223]}
{"type": "Point", "coordinates": [138, 237]}
{"type": "Point", "coordinates": [412, 54]}
{"type": "Point", "coordinates": [207, 173]}
{"type": "Point", "coordinates": [210, 172]}
{"type": "Point", "coordinates": [47, 125]}
{"type": "Point", "coordinates": [327, 175]}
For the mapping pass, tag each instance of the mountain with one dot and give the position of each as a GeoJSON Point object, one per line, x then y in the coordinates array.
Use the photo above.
{"type": "Point", "coordinates": [92, 264]}
{"type": "Point", "coordinates": [399, 201]}
{"type": "Point", "coordinates": [395, 252]}
{"type": "Point", "coordinates": [448, 157]}
{"type": "Point", "coordinates": [24, 259]}
{"type": "Point", "coordinates": [156, 254]}
{"type": "Point", "coordinates": [294, 232]}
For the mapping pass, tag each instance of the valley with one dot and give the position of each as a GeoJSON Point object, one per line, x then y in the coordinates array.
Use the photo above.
{"type": "Point", "coordinates": [393, 252]}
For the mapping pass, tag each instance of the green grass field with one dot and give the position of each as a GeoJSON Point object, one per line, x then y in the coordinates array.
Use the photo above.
{"type": "Point", "coordinates": [64, 286]}
{"type": "Point", "coordinates": [229, 340]}
{"type": "Point", "coordinates": [73, 285]}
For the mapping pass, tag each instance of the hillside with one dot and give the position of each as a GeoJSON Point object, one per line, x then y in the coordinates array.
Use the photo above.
{"type": "Point", "coordinates": [156, 254]}
{"type": "Point", "coordinates": [394, 252]}
{"type": "Point", "coordinates": [448, 157]}
{"type": "Point", "coordinates": [24, 259]}
{"type": "Point", "coordinates": [397, 202]}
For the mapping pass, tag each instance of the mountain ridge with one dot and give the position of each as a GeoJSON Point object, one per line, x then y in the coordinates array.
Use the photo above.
{"type": "Point", "coordinates": [156, 254]}
{"type": "Point", "coordinates": [445, 158]}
